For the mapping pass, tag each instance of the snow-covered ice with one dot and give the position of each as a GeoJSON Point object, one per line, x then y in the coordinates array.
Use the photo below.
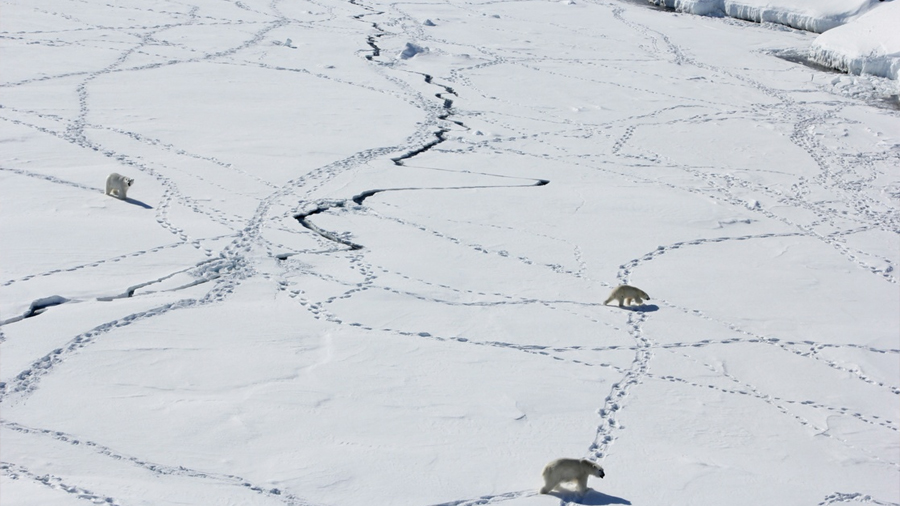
{"type": "Point", "coordinates": [347, 278]}
{"type": "Point", "coordinates": [813, 15]}
{"type": "Point", "coordinates": [868, 45]}
{"type": "Point", "coordinates": [858, 38]}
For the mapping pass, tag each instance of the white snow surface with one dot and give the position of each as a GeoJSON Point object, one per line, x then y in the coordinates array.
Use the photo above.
{"type": "Point", "coordinates": [430, 331]}
{"type": "Point", "coordinates": [812, 15]}
{"type": "Point", "coordinates": [867, 45]}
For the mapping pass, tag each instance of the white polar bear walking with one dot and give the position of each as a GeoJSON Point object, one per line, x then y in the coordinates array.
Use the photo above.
{"type": "Point", "coordinates": [627, 294]}
{"type": "Point", "coordinates": [117, 185]}
{"type": "Point", "coordinates": [564, 470]}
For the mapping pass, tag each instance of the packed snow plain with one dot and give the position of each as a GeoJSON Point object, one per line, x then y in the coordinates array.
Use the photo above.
{"type": "Point", "coordinates": [364, 257]}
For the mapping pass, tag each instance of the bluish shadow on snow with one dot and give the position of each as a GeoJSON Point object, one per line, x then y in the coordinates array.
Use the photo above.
{"type": "Point", "coordinates": [655, 6]}
{"type": "Point", "coordinates": [643, 308]}
{"type": "Point", "coordinates": [802, 58]}
{"type": "Point", "coordinates": [137, 203]}
{"type": "Point", "coordinates": [591, 498]}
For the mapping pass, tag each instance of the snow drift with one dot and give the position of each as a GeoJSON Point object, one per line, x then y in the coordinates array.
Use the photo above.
{"type": "Point", "coordinates": [811, 15]}
{"type": "Point", "coordinates": [868, 45]}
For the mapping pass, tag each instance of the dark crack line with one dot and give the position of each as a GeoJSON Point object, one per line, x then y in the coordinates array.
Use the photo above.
{"type": "Point", "coordinates": [302, 218]}
{"type": "Point", "coordinates": [359, 199]}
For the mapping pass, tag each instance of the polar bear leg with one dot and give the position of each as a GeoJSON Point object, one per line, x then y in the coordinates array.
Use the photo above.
{"type": "Point", "coordinates": [549, 484]}
{"type": "Point", "coordinates": [582, 484]}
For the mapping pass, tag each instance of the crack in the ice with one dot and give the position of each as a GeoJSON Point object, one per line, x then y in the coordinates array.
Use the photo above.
{"type": "Point", "coordinates": [37, 307]}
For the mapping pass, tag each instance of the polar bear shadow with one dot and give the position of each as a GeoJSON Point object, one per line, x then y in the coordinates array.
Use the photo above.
{"type": "Point", "coordinates": [645, 308]}
{"type": "Point", "coordinates": [137, 203]}
{"type": "Point", "coordinates": [590, 498]}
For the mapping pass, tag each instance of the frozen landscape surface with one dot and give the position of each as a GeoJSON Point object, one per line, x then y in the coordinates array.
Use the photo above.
{"type": "Point", "coordinates": [867, 45]}
{"type": "Point", "coordinates": [813, 15]}
{"type": "Point", "coordinates": [364, 257]}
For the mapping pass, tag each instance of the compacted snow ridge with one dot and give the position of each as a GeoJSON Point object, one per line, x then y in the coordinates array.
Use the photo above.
{"type": "Point", "coordinates": [867, 45]}
{"type": "Point", "coordinates": [858, 38]}
{"type": "Point", "coordinates": [812, 15]}
{"type": "Point", "coordinates": [365, 252]}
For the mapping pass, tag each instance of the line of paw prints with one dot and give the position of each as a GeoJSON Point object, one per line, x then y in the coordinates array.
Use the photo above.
{"type": "Point", "coordinates": [320, 312]}
{"type": "Point", "coordinates": [155, 468]}
{"type": "Point", "coordinates": [17, 472]}
{"type": "Point", "coordinates": [162, 210]}
{"type": "Point", "coordinates": [50, 178]}
{"type": "Point", "coordinates": [96, 263]}
{"type": "Point", "coordinates": [722, 184]}
{"type": "Point", "coordinates": [168, 194]}
{"type": "Point", "coordinates": [788, 346]}
{"type": "Point", "coordinates": [825, 216]}
{"type": "Point", "coordinates": [856, 497]}
{"type": "Point", "coordinates": [481, 249]}
{"type": "Point", "coordinates": [746, 389]}
{"type": "Point", "coordinates": [75, 133]}
{"type": "Point", "coordinates": [490, 499]}
{"type": "Point", "coordinates": [28, 380]}
{"type": "Point", "coordinates": [620, 143]}
{"type": "Point", "coordinates": [842, 172]}
{"type": "Point", "coordinates": [626, 268]}
{"type": "Point", "coordinates": [138, 137]}
{"type": "Point", "coordinates": [371, 272]}
{"type": "Point", "coordinates": [634, 376]}
{"type": "Point", "coordinates": [723, 194]}
{"type": "Point", "coordinates": [779, 403]}
{"type": "Point", "coordinates": [653, 36]}
{"type": "Point", "coordinates": [184, 238]}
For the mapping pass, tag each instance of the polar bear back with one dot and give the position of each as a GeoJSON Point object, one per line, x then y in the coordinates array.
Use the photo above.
{"type": "Point", "coordinates": [570, 469]}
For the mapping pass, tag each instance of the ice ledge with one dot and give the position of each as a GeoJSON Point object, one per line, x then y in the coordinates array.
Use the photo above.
{"type": "Point", "coordinates": [811, 15]}
{"type": "Point", "coordinates": [867, 45]}
{"type": "Point", "coordinates": [857, 36]}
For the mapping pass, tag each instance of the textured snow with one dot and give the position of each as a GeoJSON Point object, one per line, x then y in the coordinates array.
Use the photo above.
{"type": "Point", "coordinates": [812, 15]}
{"type": "Point", "coordinates": [347, 278]}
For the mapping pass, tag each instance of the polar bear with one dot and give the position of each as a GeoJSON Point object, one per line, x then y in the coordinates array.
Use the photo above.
{"type": "Point", "coordinates": [117, 185]}
{"type": "Point", "coordinates": [627, 294]}
{"type": "Point", "coordinates": [561, 470]}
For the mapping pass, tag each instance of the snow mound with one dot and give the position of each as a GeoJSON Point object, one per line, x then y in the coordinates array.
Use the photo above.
{"type": "Point", "coordinates": [867, 45]}
{"type": "Point", "coordinates": [811, 15]}
{"type": "Point", "coordinates": [411, 50]}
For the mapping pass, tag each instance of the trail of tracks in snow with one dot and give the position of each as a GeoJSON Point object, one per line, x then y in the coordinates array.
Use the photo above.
{"type": "Point", "coordinates": [644, 347]}
{"type": "Point", "coordinates": [229, 266]}
{"type": "Point", "coordinates": [247, 234]}
{"type": "Point", "coordinates": [158, 470]}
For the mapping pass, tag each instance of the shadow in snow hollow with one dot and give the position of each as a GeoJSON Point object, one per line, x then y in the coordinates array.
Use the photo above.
{"type": "Point", "coordinates": [137, 203]}
{"type": "Point", "coordinates": [591, 497]}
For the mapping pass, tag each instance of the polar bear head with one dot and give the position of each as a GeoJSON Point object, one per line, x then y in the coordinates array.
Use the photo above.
{"type": "Point", "coordinates": [593, 468]}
